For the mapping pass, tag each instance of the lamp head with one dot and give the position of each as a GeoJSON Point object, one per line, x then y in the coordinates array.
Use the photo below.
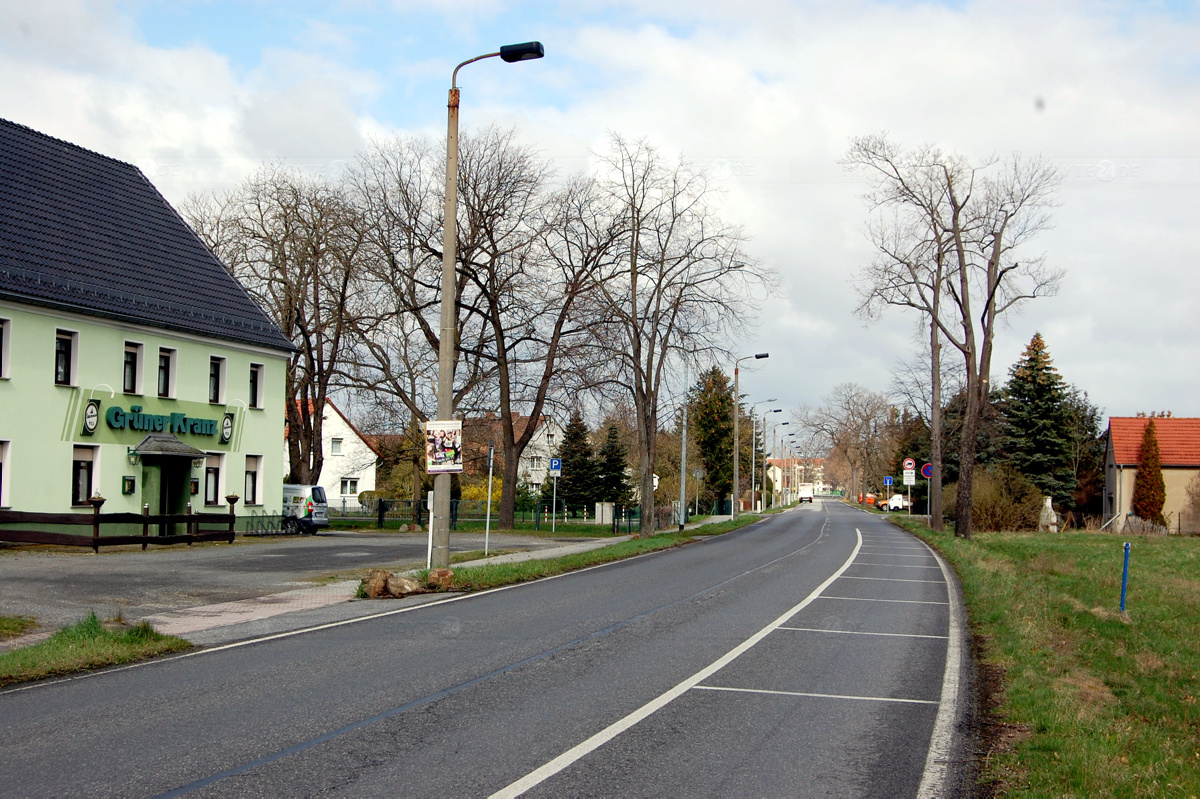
{"type": "Point", "coordinates": [522, 52]}
{"type": "Point", "coordinates": [761, 355]}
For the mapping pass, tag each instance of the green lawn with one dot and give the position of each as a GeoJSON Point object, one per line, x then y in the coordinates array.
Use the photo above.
{"type": "Point", "coordinates": [1088, 701]}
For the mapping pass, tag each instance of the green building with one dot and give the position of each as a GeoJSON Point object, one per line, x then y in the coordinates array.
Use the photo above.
{"type": "Point", "coordinates": [132, 364]}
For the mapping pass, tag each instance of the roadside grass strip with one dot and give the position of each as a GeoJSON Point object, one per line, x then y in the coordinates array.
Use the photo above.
{"type": "Point", "coordinates": [495, 575]}
{"type": "Point", "coordinates": [85, 645]}
{"type": "Point", "coordinates": [13, 626]}
{"type": "Point", "coordinates": [1079, 698]}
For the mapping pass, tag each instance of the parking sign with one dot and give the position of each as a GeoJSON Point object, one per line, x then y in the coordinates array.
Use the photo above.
{"type": "Point", "coordinates": [556, 467]}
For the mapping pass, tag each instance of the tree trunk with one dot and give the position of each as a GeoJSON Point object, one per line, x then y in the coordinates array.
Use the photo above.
{"type": "Point", "coordinates": [966, 469]}
{"type": "Point", "coordinates": [936, 520]}
{"type": "Point", "coordinates": [508, 489]}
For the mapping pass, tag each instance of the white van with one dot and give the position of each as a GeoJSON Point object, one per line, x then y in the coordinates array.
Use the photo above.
{"type": "Point", "coordinates": [305, 509]}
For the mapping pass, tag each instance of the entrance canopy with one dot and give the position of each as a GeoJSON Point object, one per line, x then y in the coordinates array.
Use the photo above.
{"type": "Point", "coordinates": [168, 445]}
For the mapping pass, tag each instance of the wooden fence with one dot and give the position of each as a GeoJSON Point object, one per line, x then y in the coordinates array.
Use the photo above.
{"type": "Point", "coordinates": [191, 522]}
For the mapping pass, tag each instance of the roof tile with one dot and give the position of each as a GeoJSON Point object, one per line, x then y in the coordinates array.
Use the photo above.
{"type": "Point", "coordinates": [85, 232]}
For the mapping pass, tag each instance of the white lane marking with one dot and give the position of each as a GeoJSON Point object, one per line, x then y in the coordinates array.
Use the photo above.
{"type": "Point", "coordinates": [940, 742]}
{"type": "Point", "coordinates": [894, 555]}
{"type": "Point", "coordinates": [890, 579]}
{"type": "Point", "coordinates": [545, 772]}
{"type": "Point", "coordinates": [817, 696]}
{"type": "Point", "coordinates": [897, 565]}
{"type": "Point", "coordinates": [900, 601]}
{"type": "Point", "coordinates": [860, 632]}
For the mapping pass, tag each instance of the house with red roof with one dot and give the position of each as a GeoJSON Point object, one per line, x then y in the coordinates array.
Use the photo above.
{"type": "Point", "coordinates": [1179, 451]}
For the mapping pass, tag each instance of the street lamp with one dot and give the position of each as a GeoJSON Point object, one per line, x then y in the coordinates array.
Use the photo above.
{"type": "Point", "coordinates": [448, 343]}
{"type": "Point", "coordinates": [774, 446]}
{"type": "Point", "coordinates": [754, 443]}
{"type": "Point", "coordinates": [737, 412]}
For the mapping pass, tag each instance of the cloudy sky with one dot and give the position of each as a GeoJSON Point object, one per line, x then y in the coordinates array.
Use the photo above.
{"type": "Point", "coordinates": [764, 95]}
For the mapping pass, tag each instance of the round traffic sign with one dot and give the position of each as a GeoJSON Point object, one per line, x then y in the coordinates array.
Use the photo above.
{"type": "Point", "coordinates": [909, 463]}
{"type": "Point", "coordinates": [927, 471]}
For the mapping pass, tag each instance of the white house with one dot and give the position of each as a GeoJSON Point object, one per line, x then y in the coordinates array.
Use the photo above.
{"type": "Point", "coordinates": [349, 466]}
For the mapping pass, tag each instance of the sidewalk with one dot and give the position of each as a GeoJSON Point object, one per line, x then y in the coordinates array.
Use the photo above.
{"type": "Point", "coordinates": [215, 623]}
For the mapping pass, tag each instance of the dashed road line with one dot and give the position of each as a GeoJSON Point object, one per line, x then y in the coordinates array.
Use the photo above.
{"type": "Point", "coordinates": [860, 632]}
{"type": "Point", "coordinates": [818, 696]}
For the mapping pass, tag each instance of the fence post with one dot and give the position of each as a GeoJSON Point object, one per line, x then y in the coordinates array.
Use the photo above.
{"type": "Point", "coordinates": [232, 499]}
{"type": "Point", "coordinates": [381, 510]}
{"type": "Point", "coordinates": [96, 502]}
{"type": "Point", "coordinates": [188, 524]}
{"type": "Point", "coordinates": [145, 526]}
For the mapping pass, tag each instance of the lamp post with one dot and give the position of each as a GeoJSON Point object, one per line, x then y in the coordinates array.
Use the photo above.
{"type": "Point", "coordinates": [754, 444]}
{"type": "Point", "coordinates": [448, 343]}
{"type": "Point", "coordinates": [737, 412]}
{"type": "Point", "coordinates": [774, 446]}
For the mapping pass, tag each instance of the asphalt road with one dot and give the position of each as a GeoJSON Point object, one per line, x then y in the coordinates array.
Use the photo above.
{"type": "Point", "coordinates": [804, 655]}
{"type": "Point", "coordinates": [60, 588]}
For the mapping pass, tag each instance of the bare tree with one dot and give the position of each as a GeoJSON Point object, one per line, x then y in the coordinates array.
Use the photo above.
{"type": "Point", "coordinates": [947, 248]}
{"type": "Point", "coordinates": [682, 290]}
{"type": "Point", "coordinates": [853, 424]}
{"type": "Point", "coordinates": [295, 243]}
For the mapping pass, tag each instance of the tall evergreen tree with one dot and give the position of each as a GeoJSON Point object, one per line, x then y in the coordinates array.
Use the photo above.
{"type": "Point", "coordinates": [612, 484]}
{"type": "Point", "coordinates": [577, 485]}
{"type": "Point", "coordinates": [710, 409]}
{"type": "Point", "coordinates": [1037, 423]}
{"type": "Point", "coordinates": [1149, 489]}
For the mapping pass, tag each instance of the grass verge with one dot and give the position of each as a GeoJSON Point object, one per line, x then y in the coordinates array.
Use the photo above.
{"type": "Point", "coordinates": [83, 646]}
{"type": "Point", "coordinates": [1084, 700]}
{"type": "Point", "coordinates": [478, 578]}
{"type": "Point", "coordinates": [12, 626]}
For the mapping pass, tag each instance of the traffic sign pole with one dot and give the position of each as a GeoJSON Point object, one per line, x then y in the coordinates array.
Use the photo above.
{"type": "Point", "coordinates": [554, 506]}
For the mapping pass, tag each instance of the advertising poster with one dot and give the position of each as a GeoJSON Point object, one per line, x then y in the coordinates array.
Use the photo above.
{"type": "Point", "coordinates": [443, 447]}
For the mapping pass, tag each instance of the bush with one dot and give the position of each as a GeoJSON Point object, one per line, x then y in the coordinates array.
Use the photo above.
{"type": "Point", "coordinates": [1003, 499]}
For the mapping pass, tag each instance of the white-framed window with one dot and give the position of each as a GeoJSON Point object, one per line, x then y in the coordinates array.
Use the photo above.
{"type": "Point", "coordinates": [216, 380]}
{"type": "Point", "coordinates": [335, 446]}
{"type": "Point", "coordinates": [213, 492]}
{"type": "Point", "coordinates": [253, 467]}
{"type": "Point", "coordinates": [5, 336]}
{"type": "Point", "coordinates": [257, 375]}
{"type": "Point", "coordinates": [3, 474]}
{"type": "Point", "coordinates": [535, 461]}
{"type": "Point", "coordinates": [166, 372]}
{"type": "Point", "coordinates": [131, 368]}
{"type": "Point", "coordinates": [66, 357]}
{"type": "Point", "coordinates": [550, 441]}
{"type": "Point", "coordinates": [349, 486]}
{"type": "Point", "coordinates": [83, 474]}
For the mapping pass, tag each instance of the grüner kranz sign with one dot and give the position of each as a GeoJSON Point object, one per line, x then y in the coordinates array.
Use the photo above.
{"type": "Point", "coordinates": [178, 423]}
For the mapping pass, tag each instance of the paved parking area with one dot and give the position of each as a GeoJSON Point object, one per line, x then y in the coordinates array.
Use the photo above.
{"type": "Point", "coordinates": [251, 577]}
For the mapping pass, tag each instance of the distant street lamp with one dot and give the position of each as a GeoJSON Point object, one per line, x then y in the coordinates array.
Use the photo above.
{"type": "Point", "coordinates": [754, 444]}
{"type": "Point", "coordinates": [737, 412]}
{"type": "Point", "coordinates": [448, 343]}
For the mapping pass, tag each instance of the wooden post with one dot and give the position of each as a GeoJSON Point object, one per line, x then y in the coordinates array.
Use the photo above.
{"type": "Point", "coordinates": [232, 499]}
{"type": "Point", "coordinates": [145, 526]}
{"type": "Point", "coordinates": [188, 525]}
{"type": "Point", "coordinates": [96, 502]}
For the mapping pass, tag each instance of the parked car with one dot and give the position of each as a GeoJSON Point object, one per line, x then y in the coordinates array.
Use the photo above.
{"type": "Point", "coordinates": [305, 509]}
{"type": "Point", "coordinates": [897, 502]}
{"type": "Point", "coordinates": [805, 492]}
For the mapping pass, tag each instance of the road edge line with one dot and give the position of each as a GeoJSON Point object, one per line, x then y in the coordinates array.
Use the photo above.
{"type": "Point", "coordinates": [941, 741]}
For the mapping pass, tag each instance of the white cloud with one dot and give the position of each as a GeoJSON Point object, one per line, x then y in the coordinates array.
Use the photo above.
{"type": "Point", "coordinates": [767, 98]}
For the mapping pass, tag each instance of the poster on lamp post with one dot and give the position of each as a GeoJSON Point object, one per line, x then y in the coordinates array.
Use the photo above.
{"type": "Point", "coordinates": [443, 447]}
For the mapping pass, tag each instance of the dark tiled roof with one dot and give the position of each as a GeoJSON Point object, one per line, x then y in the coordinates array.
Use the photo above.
{"type": "Point", "coordinates": [84, 232]}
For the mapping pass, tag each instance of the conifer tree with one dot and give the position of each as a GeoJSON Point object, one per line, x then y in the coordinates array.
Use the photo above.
{"type": "Point", "coordinates": [1149, 489]}
{"type": "Point", "coordinates": [710, 409]}
{"type": "Point", "coordinates": [612, 485]}
{"type": "Point", "coordinates": [1038, 423]}
{"type": "Point", "coordinates": [577, 485]}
